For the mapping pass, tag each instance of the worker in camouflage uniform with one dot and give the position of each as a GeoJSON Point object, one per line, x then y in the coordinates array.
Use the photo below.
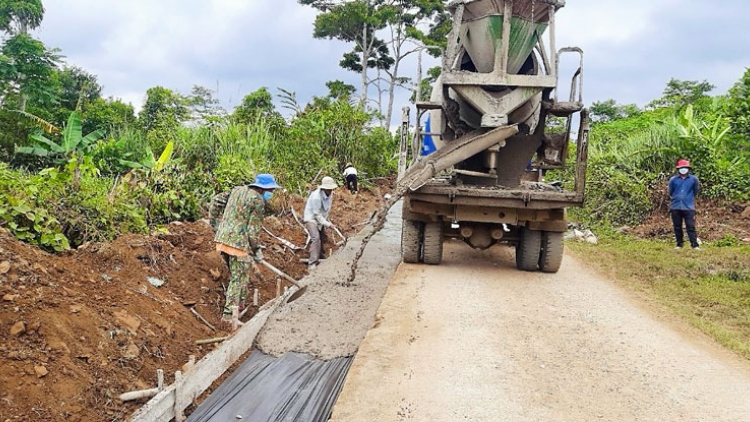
{"type": "Point", "coordinates": [216, 213]}
{"type": "Point", "coordinates": [237, 234]}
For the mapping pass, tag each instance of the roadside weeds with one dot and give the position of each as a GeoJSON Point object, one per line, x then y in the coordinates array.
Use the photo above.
{"type": "Point", "coordinates": [709, 289]}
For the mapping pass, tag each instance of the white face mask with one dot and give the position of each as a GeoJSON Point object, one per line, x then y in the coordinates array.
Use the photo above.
{"type": "Point", "coordinates": [683, 171]}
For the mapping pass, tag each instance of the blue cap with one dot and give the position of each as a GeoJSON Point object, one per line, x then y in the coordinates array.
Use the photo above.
{"type": "Point", "coordinates": [265, 181]}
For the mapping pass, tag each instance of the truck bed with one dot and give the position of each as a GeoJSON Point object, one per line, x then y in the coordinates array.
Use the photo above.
{"type": "Point", "coordinates": [530, 195]}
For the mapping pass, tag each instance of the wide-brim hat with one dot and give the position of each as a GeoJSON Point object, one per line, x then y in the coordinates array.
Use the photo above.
{"type": "Point", "coordinates": [328, 183]}
{"type": "Point", "coordinates": [265, 181]}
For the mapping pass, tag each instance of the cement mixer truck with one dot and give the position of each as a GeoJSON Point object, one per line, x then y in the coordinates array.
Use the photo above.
{"type": "Point", "coordinates": [490, 113]}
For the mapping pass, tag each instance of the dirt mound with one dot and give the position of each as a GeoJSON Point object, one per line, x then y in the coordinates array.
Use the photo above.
{"type": "Point", "coordinates": [714, 220]}
{"type": "Point", "coordinates": [79, 329]}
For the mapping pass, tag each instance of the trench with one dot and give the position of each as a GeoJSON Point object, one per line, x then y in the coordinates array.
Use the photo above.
{"type": "Point", "coordinates": [305, 349]}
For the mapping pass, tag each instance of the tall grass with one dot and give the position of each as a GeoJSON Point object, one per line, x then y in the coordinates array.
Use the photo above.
{"type": "Point", "coordinates": [204, 146]}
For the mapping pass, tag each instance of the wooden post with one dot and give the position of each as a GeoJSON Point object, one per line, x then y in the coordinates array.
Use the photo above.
{"type": "Point", "coordinates": [151, 392]}
{"type": "Point", "coordinates": [235, 317]}
{"type": "Point", "coordinates": [178, 415]}
{"type": "Point", "coordinates": [278, 287]}
{"type": "Point", "coordinates": [191, 362]}
{"type": "Point", "coordinates": [255, 297]}
{"type": "Point", "coordinates": [211, 340]}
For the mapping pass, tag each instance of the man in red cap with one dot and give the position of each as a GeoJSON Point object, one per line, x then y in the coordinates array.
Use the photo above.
{"type": "Point", "coordinates": [683, 187]}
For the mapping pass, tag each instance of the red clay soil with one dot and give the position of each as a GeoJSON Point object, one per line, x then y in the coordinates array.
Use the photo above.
{"type": "Point", "coordinates": [714, 220]}
{"type": "Point", "coordinates": [81, 328]}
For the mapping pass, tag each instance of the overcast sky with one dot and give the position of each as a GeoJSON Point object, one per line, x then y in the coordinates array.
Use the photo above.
{"type": "Point", "coordinates": [236, 46]}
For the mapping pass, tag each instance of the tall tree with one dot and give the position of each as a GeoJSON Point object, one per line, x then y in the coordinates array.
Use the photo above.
{"type": "Point", "coordinates": [76, 89]}
{"type": "Point", "coordinates": [161, 116]}
{"type": "Point", "coordinates": [738, 107]}
{"type": "Point", "coordinates": [608, 111]}
{"type": "Point", "coordinates": [108, 114]}
{"type": "Point", "coordinates": [203, 105]}
{"type": "Point", "coordinates": [258, 102]}
{"type": "Point", "coordinates": [337, 91]}
{"type": "Point", "coordinates": [26, 67]}
{"type": "Point", "coordinates": [354, 21]}
{"type": "Point", "coordinates": [405, 18]}
{"type": "Point", "coordinates": [682, 93]}
{"type": "Point", "coordinates": [20, 16]}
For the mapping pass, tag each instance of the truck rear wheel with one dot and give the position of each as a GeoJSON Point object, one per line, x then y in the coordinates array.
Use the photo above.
{"type": "Point", "coordinates": [528, 250]}
{"type": "Point", "coordinates": [433, 243]}
{"type": "Point", "coordinates": [551, 255]}
{"type": "Point", "coordinates": [411, 241]}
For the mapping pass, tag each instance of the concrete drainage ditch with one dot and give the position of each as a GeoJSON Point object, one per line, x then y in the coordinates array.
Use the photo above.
{"type": "Point", "coordinates": [304, 341]}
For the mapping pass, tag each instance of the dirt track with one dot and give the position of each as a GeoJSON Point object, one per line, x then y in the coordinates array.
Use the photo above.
{"type": "Point", "coordinates": [474, 339]}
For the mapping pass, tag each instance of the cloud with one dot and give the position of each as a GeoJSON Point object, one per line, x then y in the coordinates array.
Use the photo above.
{"type": "Point", "coordinates": [632, 48]}
{"type": "Point", "coordinates": [236, 45]}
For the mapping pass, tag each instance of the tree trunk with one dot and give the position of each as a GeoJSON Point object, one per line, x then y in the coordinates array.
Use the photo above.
{"type": "Point", "coordinates": [418, 94]}
{"type": "Point", "coordinates": [380, 97]}
{"type": "Point", "coordinates": [365, 56]}
{"type": "Point", "coordinates": [392, 93]}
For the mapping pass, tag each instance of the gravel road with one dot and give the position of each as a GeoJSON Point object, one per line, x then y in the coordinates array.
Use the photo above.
{"type": "Point", "coordinates": [474, 339]}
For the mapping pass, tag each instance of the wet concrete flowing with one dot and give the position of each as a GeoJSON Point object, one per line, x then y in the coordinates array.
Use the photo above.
{"type": "Point", "coordinates": [332, 317]}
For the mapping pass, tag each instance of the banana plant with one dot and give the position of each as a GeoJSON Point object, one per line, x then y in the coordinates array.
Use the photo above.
{"type": "Point", "coordinates": [72, 144]}
{"type": "Point", "coordinates": [150, 162]}
{"type": "Point", "coordinates": [711, 134]}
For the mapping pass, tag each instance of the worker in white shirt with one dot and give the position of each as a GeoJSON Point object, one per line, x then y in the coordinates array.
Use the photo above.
{"type": "Point", "coordinates": [317, 208]}
{"type": "Point", "coordinates": [350, 177]}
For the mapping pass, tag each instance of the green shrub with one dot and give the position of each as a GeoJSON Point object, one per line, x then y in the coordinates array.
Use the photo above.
{"type": "Point", "coordinates": [614, 196]}
{"type": "Point", "coordinates": [233, 171]}
{"type": "Point", "coordinates": [24, 212]}
{"type": "Point", "coordinates": [728, 241]}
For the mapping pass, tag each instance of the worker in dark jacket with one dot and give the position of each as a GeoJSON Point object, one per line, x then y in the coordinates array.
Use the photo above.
{"type": "Point", "coordinates": [683, 187]}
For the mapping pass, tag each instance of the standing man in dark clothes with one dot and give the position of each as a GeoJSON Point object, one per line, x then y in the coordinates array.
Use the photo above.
{"type": "Point", "coordinates": [683, 187]}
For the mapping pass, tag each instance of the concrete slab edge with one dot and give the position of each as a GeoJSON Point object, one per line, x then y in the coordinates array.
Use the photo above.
{"type": "Point", "coordinates": [170, 403]}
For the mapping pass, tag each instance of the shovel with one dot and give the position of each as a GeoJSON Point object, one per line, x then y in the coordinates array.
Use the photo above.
{"type": "Point", "coordinates": [301, 289]}
{"type": "Point", "coordinates": [281, 274]}
{"type": "Point", "coordinates": [343, 238]}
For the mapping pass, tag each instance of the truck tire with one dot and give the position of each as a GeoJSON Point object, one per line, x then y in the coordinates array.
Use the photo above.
{"type": "Point", "coordinates": [551, 255]}
{"type": "Point", "coordinates": [528, 250]}
{"type": "Point", "coordinates": [433, 243]}
{"type": "Point", "coordinates": [411, 241]}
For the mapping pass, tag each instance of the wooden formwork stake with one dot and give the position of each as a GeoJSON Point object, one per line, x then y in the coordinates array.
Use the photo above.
{"type": "Point", "coordinates": [142, 394]}
{"type": "Point", "coordinates": [235, 317]}
{"type": "Point", "coordinates": [191, 362]}
{"type": "Point", "coordinates": [278, 287]}
{"type": "Point", "coordinates": [178, 414]}
{"type": "Point", "coordinates": [203, 320]}
{"type": "Point", "coordinates": [211, 340]}
{"type": "Point", "coordinates": [255, 297]}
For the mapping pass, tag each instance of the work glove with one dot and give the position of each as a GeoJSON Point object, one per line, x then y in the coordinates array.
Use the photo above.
{"type": "Point", "coordinates": [258, 255]}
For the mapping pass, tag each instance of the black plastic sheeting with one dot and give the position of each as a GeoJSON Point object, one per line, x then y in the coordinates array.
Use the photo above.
{"type": "Point", "coordinates": [294, 387]}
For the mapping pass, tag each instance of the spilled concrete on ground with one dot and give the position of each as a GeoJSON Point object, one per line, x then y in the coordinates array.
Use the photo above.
{"type": "Point", "coordinates": [332, 317]}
